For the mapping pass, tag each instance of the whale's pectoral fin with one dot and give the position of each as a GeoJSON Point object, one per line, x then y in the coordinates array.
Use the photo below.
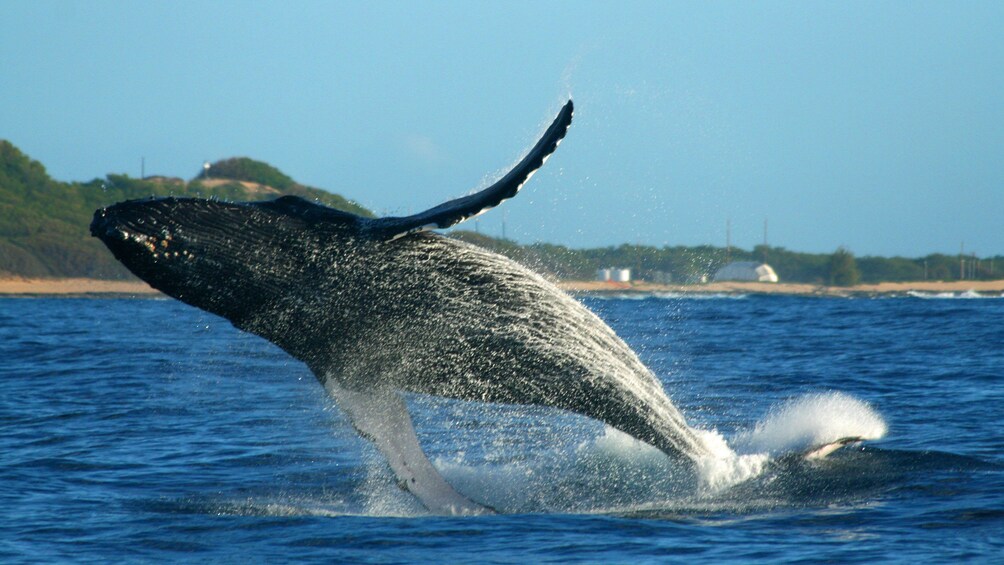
{"type": "Point", "coordinates": [382, 417]}
{"type": "Point", "coordinates": [822, 450]}
{"type": "Point", "coordinates": [455, 211]}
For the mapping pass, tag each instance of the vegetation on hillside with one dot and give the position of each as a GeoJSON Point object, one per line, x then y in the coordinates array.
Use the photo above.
{"type": "Point", "coordinates": [44, 233]}
{"type": "Point", "coordinates": [44, 222]}
{"type": "Point", "coordinates": [243, 168]}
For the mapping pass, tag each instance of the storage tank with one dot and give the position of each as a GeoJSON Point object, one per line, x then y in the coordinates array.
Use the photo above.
{"type": "Point", "coordinates": [621, 275]}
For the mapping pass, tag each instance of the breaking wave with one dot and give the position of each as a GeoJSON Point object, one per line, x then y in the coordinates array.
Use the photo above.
{"type": "Point", "coordinates": [965, 295]}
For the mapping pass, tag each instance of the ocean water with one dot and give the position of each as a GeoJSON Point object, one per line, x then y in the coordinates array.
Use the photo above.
{"type": "Point", "coordinates": [148, 431]}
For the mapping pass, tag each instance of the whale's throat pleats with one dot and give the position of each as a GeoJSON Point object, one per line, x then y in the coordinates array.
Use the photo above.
{"type": "Point", "coordinates": [381, 416]}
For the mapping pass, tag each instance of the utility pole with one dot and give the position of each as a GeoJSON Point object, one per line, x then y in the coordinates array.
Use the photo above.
{"type": "Point", "coordinates": [765, 240]}
{"type": "Point", "coordinates": [962, 261]}
{"type": "Point", "coordinates": [142, 168]}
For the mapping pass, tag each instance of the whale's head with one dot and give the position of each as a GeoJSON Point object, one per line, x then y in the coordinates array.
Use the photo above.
{"type": "Point", "coordinates": [224, 257]}
{"type": "Point", "coordinates": [293, 271]}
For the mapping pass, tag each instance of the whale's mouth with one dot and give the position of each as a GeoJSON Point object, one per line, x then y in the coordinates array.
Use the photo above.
{"type": "Point", "coordinates": [104, 225]}
{"type": "Point", "coordinates": [111, 228]}
{"type": "Point", "coordinates": [120, 231]}
{"type": "Point", "coordinates": [134, 235]}
{"type": "Point", "coordinates": [120, 222]}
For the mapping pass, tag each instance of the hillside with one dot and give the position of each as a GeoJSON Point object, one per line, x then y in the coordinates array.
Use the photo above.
{"type": "Point", "coordinates": [44, 222]}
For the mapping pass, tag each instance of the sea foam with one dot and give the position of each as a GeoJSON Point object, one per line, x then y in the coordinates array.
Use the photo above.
{"type": "Point", "coordinates": [811, 420]}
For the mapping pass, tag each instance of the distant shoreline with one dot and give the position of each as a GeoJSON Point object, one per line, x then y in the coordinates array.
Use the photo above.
{"type": "Point", "coordinates": [995, 287]}
{"type": "Point", "coordinates": [18, 286]}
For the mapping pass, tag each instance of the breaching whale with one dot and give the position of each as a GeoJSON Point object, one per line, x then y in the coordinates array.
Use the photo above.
{"type": "Point", "coordinates": [375, 307]}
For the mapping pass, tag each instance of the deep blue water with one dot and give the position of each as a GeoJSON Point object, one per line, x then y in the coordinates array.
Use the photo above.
{"type": "Point", "coordinates": [147, 431]}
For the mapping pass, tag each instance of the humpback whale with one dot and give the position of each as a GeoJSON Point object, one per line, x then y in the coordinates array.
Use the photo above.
{"type": "Point", "coordinates": [377, 307]}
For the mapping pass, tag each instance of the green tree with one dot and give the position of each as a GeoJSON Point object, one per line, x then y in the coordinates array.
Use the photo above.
{"type": "Point", "coordinates": [842, 269]}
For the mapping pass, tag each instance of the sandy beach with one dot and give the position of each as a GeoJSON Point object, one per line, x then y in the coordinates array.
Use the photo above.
{"type": "Point", "coordinates": [15, 286]}
{"type": "Point", "coordinates": [74, 287]}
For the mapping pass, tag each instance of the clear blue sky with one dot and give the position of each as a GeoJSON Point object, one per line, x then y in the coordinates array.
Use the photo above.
{"type": "Point", "coordinates": [878, 126]}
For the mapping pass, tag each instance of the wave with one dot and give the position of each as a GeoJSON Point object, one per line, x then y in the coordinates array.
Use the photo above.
{"type": "Point", "coordinates": [965, 295]}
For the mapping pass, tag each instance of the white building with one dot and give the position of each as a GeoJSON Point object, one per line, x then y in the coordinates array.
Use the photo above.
{"type": "Point", "coordinates": [615, 275]}
{"type": "Point", "coordinates": [621, 275]}
{"type": "Point", "coordinates": [746, 271]}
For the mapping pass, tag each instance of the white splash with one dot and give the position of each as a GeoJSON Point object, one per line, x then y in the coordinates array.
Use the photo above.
{"type": "Point", "coordinates": [809, 421]}
{"type": "Point", "coordinates": [966, 295]}
{"type": "Point", "coordinates": [724, 467]}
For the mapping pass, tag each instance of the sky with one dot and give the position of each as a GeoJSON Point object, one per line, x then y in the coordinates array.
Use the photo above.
{"type": "Point", "coordinates": [876, 126]}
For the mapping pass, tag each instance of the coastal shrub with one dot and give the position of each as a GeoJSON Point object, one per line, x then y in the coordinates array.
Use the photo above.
{"type": "Point", "coordinates": [842, 269]}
